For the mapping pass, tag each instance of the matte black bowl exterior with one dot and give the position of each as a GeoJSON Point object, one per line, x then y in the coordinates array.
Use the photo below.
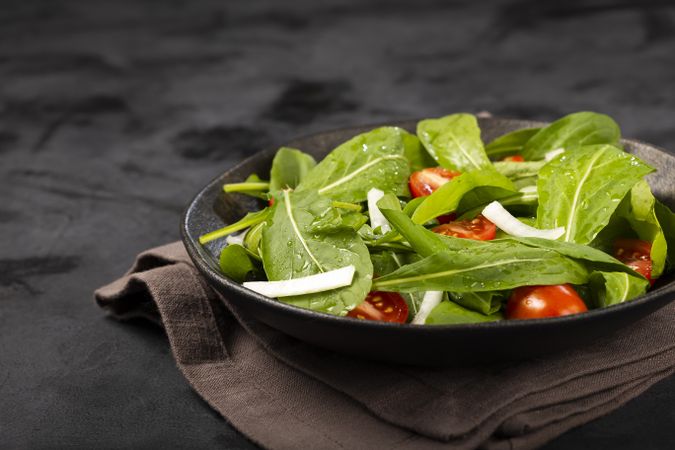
{"type": "Point", "coordinates": [411, 344]}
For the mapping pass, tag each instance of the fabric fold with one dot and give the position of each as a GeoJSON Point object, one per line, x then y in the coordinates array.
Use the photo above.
{"type": "Point", "coordinates": [283, 393]}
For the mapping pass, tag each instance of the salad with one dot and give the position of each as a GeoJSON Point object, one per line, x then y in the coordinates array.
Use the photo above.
{"type": "Point", "coordinates": [440, 228]}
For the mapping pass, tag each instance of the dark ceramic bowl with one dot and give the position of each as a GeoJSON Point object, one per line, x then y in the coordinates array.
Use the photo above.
{"type": "Point", "coordinates": [412, 344]}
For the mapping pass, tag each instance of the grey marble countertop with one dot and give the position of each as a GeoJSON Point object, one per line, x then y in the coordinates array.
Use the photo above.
{"type": "Point", "coordinates": [113, 114]}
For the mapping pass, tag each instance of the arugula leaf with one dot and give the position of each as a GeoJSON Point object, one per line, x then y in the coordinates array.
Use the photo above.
{"type": "Point", "coordinates": [611, 288]}
{"type": "Point", "coordinates": [290, 250]}
{"type": "Point", "coordinates": [454, 141]}
{"type": "Point", "coordinates": [417, 155]}
{"type": "Point", "coordinates": [638, 208]}
{"type": "Point", "coordinates": [510, 143]}
{"type": "Point", "coordinates": [488, 302]}
{"type": "Point", "coordinates": [289, 167]}
{"type": "Point", "coordinates": [370, 160]}
{"type": "Point", "coordinates": [489, 267]}
{"type": "Point", "coordinates": [667, 220]}
{"type": "Point", "coordinates": [581, 190]}
{"type": "Point", "coordinates": [236, 263]}
{"type": "Point", "coordinates": [462, 193]}
{"type": "Point", "coordinates": [572, 132]}
{"type": "Point", "coordinates": [450, 313]}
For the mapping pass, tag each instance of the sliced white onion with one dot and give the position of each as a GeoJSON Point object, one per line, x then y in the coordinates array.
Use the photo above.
{"type": "Point", "coordinates": [553, 153]}
{"type": "Point", "coordinates": [498, 215]}
{"type": "Point", "coordinates": [528, 189]}
{"type": "Point", "coordinates": [319, 282]}
{"type": "Point", "coordinates": [236, 238]}
{"type": "Point", "coordinates": [377, 219]}
{"type": "Point", "coordinates": [430, 300]}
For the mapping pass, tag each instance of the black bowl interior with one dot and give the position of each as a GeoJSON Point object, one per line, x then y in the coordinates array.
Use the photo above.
{"type": "Point", "coordinates": [411, 344]}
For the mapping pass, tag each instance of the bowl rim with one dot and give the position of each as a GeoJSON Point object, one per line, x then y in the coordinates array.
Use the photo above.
{"type": "Point", "coordinates": [195, 250]}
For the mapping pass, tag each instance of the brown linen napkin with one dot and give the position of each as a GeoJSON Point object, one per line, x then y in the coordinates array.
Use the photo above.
{"type": "Point", "coordinates": [283, 393]}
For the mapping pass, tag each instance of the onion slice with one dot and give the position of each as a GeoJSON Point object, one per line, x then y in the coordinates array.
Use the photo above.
{"type": "Point", "coordinates": [498, 215]}
{"type": "Point", "coordinates": [377, 219]}
{"type": "Point", "coordinates": [553, 153]}
{"type": "Point", "coordinates": [430, 300]}
{"type": "Point", "coordinates": [311, 284]}
{"type": "Point", "coordinates": [236, 238]}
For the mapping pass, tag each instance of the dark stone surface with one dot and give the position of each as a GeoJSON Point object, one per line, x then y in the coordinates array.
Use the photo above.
{"type": "Point", "coordinates": [113, 114]}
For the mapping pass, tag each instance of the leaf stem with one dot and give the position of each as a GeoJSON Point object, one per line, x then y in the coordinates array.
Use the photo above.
{"type": "Point", "coordinates": [229, 229]}
{"type": "Point", "coordinates": [246, 186]}
{"type": "Point", "coordinates": [346, 205]}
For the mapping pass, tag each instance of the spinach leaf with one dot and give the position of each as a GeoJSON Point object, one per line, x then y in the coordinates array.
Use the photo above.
{"type": "Point", "coordinates": [519, 170]}
{"type": "Point", "coordinates": [462, 193]}
{"type": "Point", "coordinates": [611, 288]}
{"type": "Point", "coordinates": [572, 132]}
{"type": "Point", "coordinates": [450, 313]}
{"type": "Point", "coordinates": [581, 190]}
{"type": "Point", "coordinates": [417, 155]}
{"type": "Point", "coordinates": [236, 263]}
{"type": "Point", "coordinates": [489, 267]}
{"type": "Point", "coordinates": [253, 238]}
{"type": "Point", "coordinates": [290, 250]}
{"type": "Point", "coordinates": [638, 208]}
{"type": "Point", "coordinates": [667, 221]}
{"type": "Point", "coordinates": [423, 241]}
{"type": "Point", "coordinates": [510, 143]}
{"type": "Point", "coordinates": [370, 160]}
{"type": "Point", "coordinates": [488, 302]}
{"type": "Point", "coordinates": [454, 141]}
{"type": "Point", "coordinates": [289, 167]}
{"type": "Point", "coordinates": [253, 186]}
{"type": "Point", "coordinates": [593, 258]}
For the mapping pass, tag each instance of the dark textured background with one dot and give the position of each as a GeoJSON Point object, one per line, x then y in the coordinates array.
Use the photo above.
{"type": "Point", "coordinates": [113, 114]}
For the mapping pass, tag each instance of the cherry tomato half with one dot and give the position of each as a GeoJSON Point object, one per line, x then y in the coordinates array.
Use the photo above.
{"type": "Point", "coordinates": [636, 254]}
{"type": "Point", "coordinates": [514, 158]}
{"type": "Point", "coordinates": [480, 229]}
{"type": "Point", "coordinates": [424, 182]}
{"type": "Point", "coordinates": [383, 306]}
{"type": "Point", "coordinates": [536, 302]}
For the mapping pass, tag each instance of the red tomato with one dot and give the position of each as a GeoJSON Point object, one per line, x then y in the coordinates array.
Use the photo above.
{"type": "Point", "coordinates": [514, 158]}
{"type": "Point", "coordinates": [383, 306]}
{"type": "Point", "coordinates": [536, 302]}
{"type": "Point", "coordinates": [270, 202]}
{"type": "Point", "coordinates": [480, 229]}
{"type": "Point", "coordinates": [635, 253]}
{"type": "Point", "coordinates": [424, 182]}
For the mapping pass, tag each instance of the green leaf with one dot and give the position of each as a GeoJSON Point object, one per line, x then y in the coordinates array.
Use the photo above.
{"type": "Point", "coordinates": [483, 302]}
{"type": "Point", "coordinates": [423, 241]}
{"type": "Point", "coordinates": [290, 250]}
{"type": "Point", "coordinates": [454, 141]}
{"type": "Point", "coordinates": [417, 155]}
{"type": "Point", "coordinates": [236, 263]}
{"type": "Point", "coordinates": [462, 193]}
{"type": "Point", "coordinates": [289, 168]}
{"type": "Point", "coordinates": [510, 143]}
{"type": "Point", "coordinates": [581, 190]}
{"type": "Point", "coordinates": [611, 288]}
{"type": "Point", "coordinates": [388, 261]}
{"type": "Point", "coordinates": [667, 221]}
{"type": "Point", "coordinates": [450, 313]}
{"type": "Point", "coordinates": [571, 132]}
{"type": "Point", "coordinates": [519, 170]}
{"type": "Point", "coordinates": [253, 238]}
{"type": "Point", "coordinates": [370, 160]}
{"type": "Point", "coordinates": [638, 208]}
{"type": "Point", "coordinates": [489, 267]}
